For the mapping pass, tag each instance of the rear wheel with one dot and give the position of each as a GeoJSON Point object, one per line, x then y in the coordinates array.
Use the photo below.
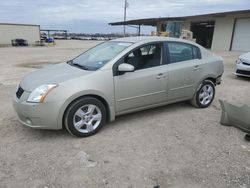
{"type": "Point", "coordinates": [205, 95]}
{"type": "Point", "coordinates": [85, 117]}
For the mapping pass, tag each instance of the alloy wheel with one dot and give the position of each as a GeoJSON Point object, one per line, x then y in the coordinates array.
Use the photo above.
{"type": "Point", "coordinates": [87, 118]}
{"type": "Point", "coordinates": [206, 94]}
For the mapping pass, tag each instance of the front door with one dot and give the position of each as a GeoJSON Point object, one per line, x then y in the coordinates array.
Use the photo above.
{"type": "Point", "coordinates": [145, 86]}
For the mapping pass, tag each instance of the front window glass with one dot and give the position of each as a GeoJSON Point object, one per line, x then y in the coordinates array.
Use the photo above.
{"type": "Point", "coordinates": [145, 57]}
{"type": "Point", "coordinates": [98, 56]}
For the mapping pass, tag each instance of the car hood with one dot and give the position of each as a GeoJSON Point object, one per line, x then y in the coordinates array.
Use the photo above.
{"type": "Point", "coordinates": [53, 74]}
{"type": "Point", "coordinates": [245, 57]}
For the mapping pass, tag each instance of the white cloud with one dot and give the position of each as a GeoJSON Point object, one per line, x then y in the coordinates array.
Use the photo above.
{"type": "Point", "coordinates": [49, 12]}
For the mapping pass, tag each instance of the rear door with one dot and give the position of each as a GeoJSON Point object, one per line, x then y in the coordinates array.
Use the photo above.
{"type": "Point", "coordinates": [184, 67]}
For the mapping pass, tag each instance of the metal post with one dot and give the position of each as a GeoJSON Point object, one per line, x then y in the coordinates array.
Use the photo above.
{"type": "Point", "coordinates": [139, 30]}
{"type": "Point", "coordinates": [125, 9]}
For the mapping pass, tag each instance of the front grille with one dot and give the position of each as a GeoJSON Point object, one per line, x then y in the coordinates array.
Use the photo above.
{"type": "Point", "coordinates": [244, 63]}
{"type": "Point", "coordinates": [19, 92]}
{"type": "Point", "coordinates": [243, 72]}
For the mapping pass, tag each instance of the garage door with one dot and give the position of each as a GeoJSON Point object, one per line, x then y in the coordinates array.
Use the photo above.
{"type": "Point", "coordinates": [241, 39]}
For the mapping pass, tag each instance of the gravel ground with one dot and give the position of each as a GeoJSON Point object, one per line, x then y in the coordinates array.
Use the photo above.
{"type": "Point", "coordinates": [173, 146]}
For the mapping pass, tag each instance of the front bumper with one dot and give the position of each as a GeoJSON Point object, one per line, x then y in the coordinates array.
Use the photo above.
{"type": "Point", "coordinates": [37, 115]}
{"type": "Point", "coordinates": [237, 116]}
{"type": "Point", "coordinates": [242, 70]}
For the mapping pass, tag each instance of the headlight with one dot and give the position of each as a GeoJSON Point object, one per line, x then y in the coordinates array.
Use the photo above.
{"type": "Point", "coordinates": [238, 61]}
{"type": "Point", "coordinates": [38, 95]}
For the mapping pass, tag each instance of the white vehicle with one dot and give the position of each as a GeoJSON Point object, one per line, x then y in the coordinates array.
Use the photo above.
{"type": "Point", "coordinates": [243, 65]}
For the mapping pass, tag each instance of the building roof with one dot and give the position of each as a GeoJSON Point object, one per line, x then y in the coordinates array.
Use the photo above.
{"type": "Point", "coordinates": [153, 21]}
{"type": "Point", "coordinates": [19, 24]}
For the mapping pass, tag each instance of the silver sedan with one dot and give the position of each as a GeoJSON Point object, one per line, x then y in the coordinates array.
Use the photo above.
{"type": "Point", "coordinates": [114, 78]}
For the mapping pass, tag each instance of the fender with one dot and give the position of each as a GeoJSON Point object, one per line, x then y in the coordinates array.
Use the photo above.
{"type": "Point", "coordinates": [67, 102]}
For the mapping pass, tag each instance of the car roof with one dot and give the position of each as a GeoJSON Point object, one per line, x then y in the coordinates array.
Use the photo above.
{"type": "Point", "coordinates": [150, 39]}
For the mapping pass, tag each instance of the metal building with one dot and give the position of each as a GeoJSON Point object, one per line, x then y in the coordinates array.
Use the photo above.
{"type": "Point", "coordinates": [9, 31]}
{"type": "Point", "coordinates": [218, 31]}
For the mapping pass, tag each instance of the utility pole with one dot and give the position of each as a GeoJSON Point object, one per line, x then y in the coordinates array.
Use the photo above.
{"type": "Point", "coordinates": [125, 14]}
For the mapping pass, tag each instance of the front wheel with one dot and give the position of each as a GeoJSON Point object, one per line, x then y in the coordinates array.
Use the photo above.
{"type": "Point", "coordinates": [205, 95]}
{"type": "Point", "coordinates": [85, 117]}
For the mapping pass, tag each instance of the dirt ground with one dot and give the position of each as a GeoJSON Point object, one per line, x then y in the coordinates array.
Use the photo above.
{"type": "Point", "coordinates": [173, 146]}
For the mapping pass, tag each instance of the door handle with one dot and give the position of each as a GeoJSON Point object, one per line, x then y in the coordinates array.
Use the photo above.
{"type": "Point", "coordinates": [159, 76]}
{"type": "Point", "coordinates": [197, 67]}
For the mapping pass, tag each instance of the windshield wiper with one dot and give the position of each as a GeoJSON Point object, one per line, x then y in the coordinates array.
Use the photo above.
{"type": "Point", "coordinates": [70, 62]}
{"type": "Point", "coordinates": [80, 66]}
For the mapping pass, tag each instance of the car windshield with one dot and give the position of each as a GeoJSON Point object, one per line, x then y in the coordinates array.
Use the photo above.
{"type": "Point", "coordinates": [98, 56]}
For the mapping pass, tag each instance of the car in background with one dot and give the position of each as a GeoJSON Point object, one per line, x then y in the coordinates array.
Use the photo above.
{"type": "Point", "coordinates": [243, 65]}
{"type": "Point", "coordinates": [49, 40]}
{"type": "Point", "coordinates": [19, 42]}
{"type": "Point", "coordinates": [117, 77]}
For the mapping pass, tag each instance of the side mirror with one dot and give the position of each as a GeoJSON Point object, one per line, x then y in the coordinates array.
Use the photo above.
{"type": "Point", "coordinates": [124, 67]}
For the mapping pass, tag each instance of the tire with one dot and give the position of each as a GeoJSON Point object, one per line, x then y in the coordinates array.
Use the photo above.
{"type": "Point", "coordinates": [85, 116]}
{"type": "Point", "coordinates": [204, 96]}
{"type": "Point", "coordinates": [247, 137]}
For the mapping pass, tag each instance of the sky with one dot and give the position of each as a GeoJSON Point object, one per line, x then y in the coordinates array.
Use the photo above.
{"type": "Point", "coordinates": [92, 16]}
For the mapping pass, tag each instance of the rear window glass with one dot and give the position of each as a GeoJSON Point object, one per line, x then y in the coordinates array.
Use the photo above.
{"type": "Point", "coordinates": [196, 52]}
{"type": "Point", "coordinates": [179, 51]}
